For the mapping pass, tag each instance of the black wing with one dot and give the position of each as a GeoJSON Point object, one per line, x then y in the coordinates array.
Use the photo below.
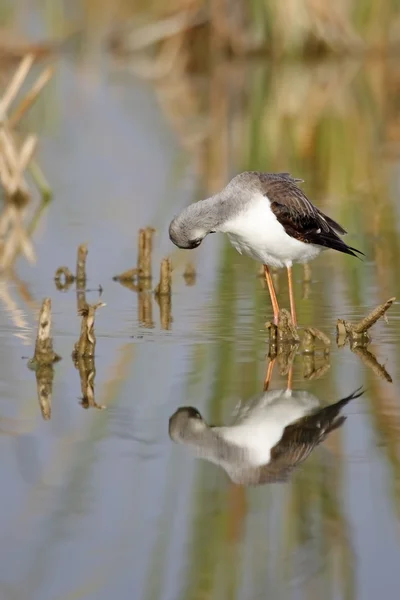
{"type": "Point", "coordinates": [300, 438]}
{"type": "Point", "coordinates": [299, 217]}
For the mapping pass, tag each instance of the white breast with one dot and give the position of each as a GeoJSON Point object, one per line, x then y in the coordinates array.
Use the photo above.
{"type": "Point", "coordinates": [257, 232]}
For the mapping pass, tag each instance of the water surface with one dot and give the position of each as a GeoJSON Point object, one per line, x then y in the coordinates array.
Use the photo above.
{"type": "Point", "coordinates": [100, 503]}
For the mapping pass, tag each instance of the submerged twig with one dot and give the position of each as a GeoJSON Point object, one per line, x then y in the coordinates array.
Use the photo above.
{"type": "Point", "coordinates": [63, 278]}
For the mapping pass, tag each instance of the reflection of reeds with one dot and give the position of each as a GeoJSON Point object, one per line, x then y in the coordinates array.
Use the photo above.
{"type": "Point", "coordinates": [162, 293]}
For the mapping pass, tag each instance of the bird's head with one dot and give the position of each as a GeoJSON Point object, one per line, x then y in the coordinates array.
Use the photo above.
{"type": "Point", "coordinates": [186, 422]}
{"type": "Point", "coordinates": [191, 226]}
{"type": "Point", "coordinates": [185, 234]}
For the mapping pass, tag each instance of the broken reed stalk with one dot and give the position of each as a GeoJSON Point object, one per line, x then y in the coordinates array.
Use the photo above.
{"type": "Point", "coordinates": [81, 265]}
{"type": "Point", "coordinates": [44, 342]}
{"type": "Point", "coordinates": [145, 251]}
{"type": "Point", "coordinates": [64, 278]}
{"type": "Point", "coordinates": [359, 330]}
{"type": "Point", "coordinates": [15, 84]}
{"type": "Point", "coordinates": [86, 344]}
{"type": "Point", "coordinates": [43, 359]}
{"type": "Point", "coordinates": [143, 271]}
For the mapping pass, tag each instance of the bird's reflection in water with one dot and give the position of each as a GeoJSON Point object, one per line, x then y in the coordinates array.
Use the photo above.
{"type": "Point", "coordinates": [268, 438]}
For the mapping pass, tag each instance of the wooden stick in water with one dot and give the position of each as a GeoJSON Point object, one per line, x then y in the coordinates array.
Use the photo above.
{"type": "Point", "coordinates": [43, 359]}
{"type": "Point", "coordinates": [81, 265]}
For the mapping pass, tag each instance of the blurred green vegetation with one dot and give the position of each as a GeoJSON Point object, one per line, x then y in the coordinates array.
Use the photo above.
{"type": "Point", "coordinates": [293, 28]}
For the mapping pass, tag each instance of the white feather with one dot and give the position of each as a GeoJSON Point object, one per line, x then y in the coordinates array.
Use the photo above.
{"type": "Point", "coordinates": [260, 425]}
{"type": "Point", "coordinates": [257, 232]}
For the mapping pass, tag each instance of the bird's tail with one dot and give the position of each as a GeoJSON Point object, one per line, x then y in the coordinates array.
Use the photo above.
{"type": "Point", "coordinates": [328, 419]}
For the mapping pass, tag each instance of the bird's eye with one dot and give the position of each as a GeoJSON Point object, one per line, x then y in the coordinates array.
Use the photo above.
{"type": "Point", "coordinates": [194, 413]}
{"type": "Point", "coordinates": [195, 243]}
{"type": "Point", "coordinates": [212, 231]}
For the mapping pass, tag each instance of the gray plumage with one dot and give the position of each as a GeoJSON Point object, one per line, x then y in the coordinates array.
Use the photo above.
{"type": "Point", "coordinates": [233, 452]}
{"type": "Point", "coordinates": [300, 219]}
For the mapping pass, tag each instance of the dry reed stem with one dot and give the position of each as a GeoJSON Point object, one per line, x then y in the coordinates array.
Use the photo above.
{"type": "Point", "coordinates": [373, 317]}
{"type": "Point", "coordinates": [13, 162]}
{"type": "Point", "coordinates": [145, 249]}
{"type": "Point", "coordinates": [346, 328]}
{"type": "Point", "coordinates": [15, 84]}
{"type": "Point", "coordinates": [81, 265]}
{"type": "Point", "coordinates": [86, 344]}
{"type": "Point", "coordinates": [146, 270]}
{"type": "Point", "coordinates": [31, 96]}
{"type": "Point", "coordinates": [44, 343]}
